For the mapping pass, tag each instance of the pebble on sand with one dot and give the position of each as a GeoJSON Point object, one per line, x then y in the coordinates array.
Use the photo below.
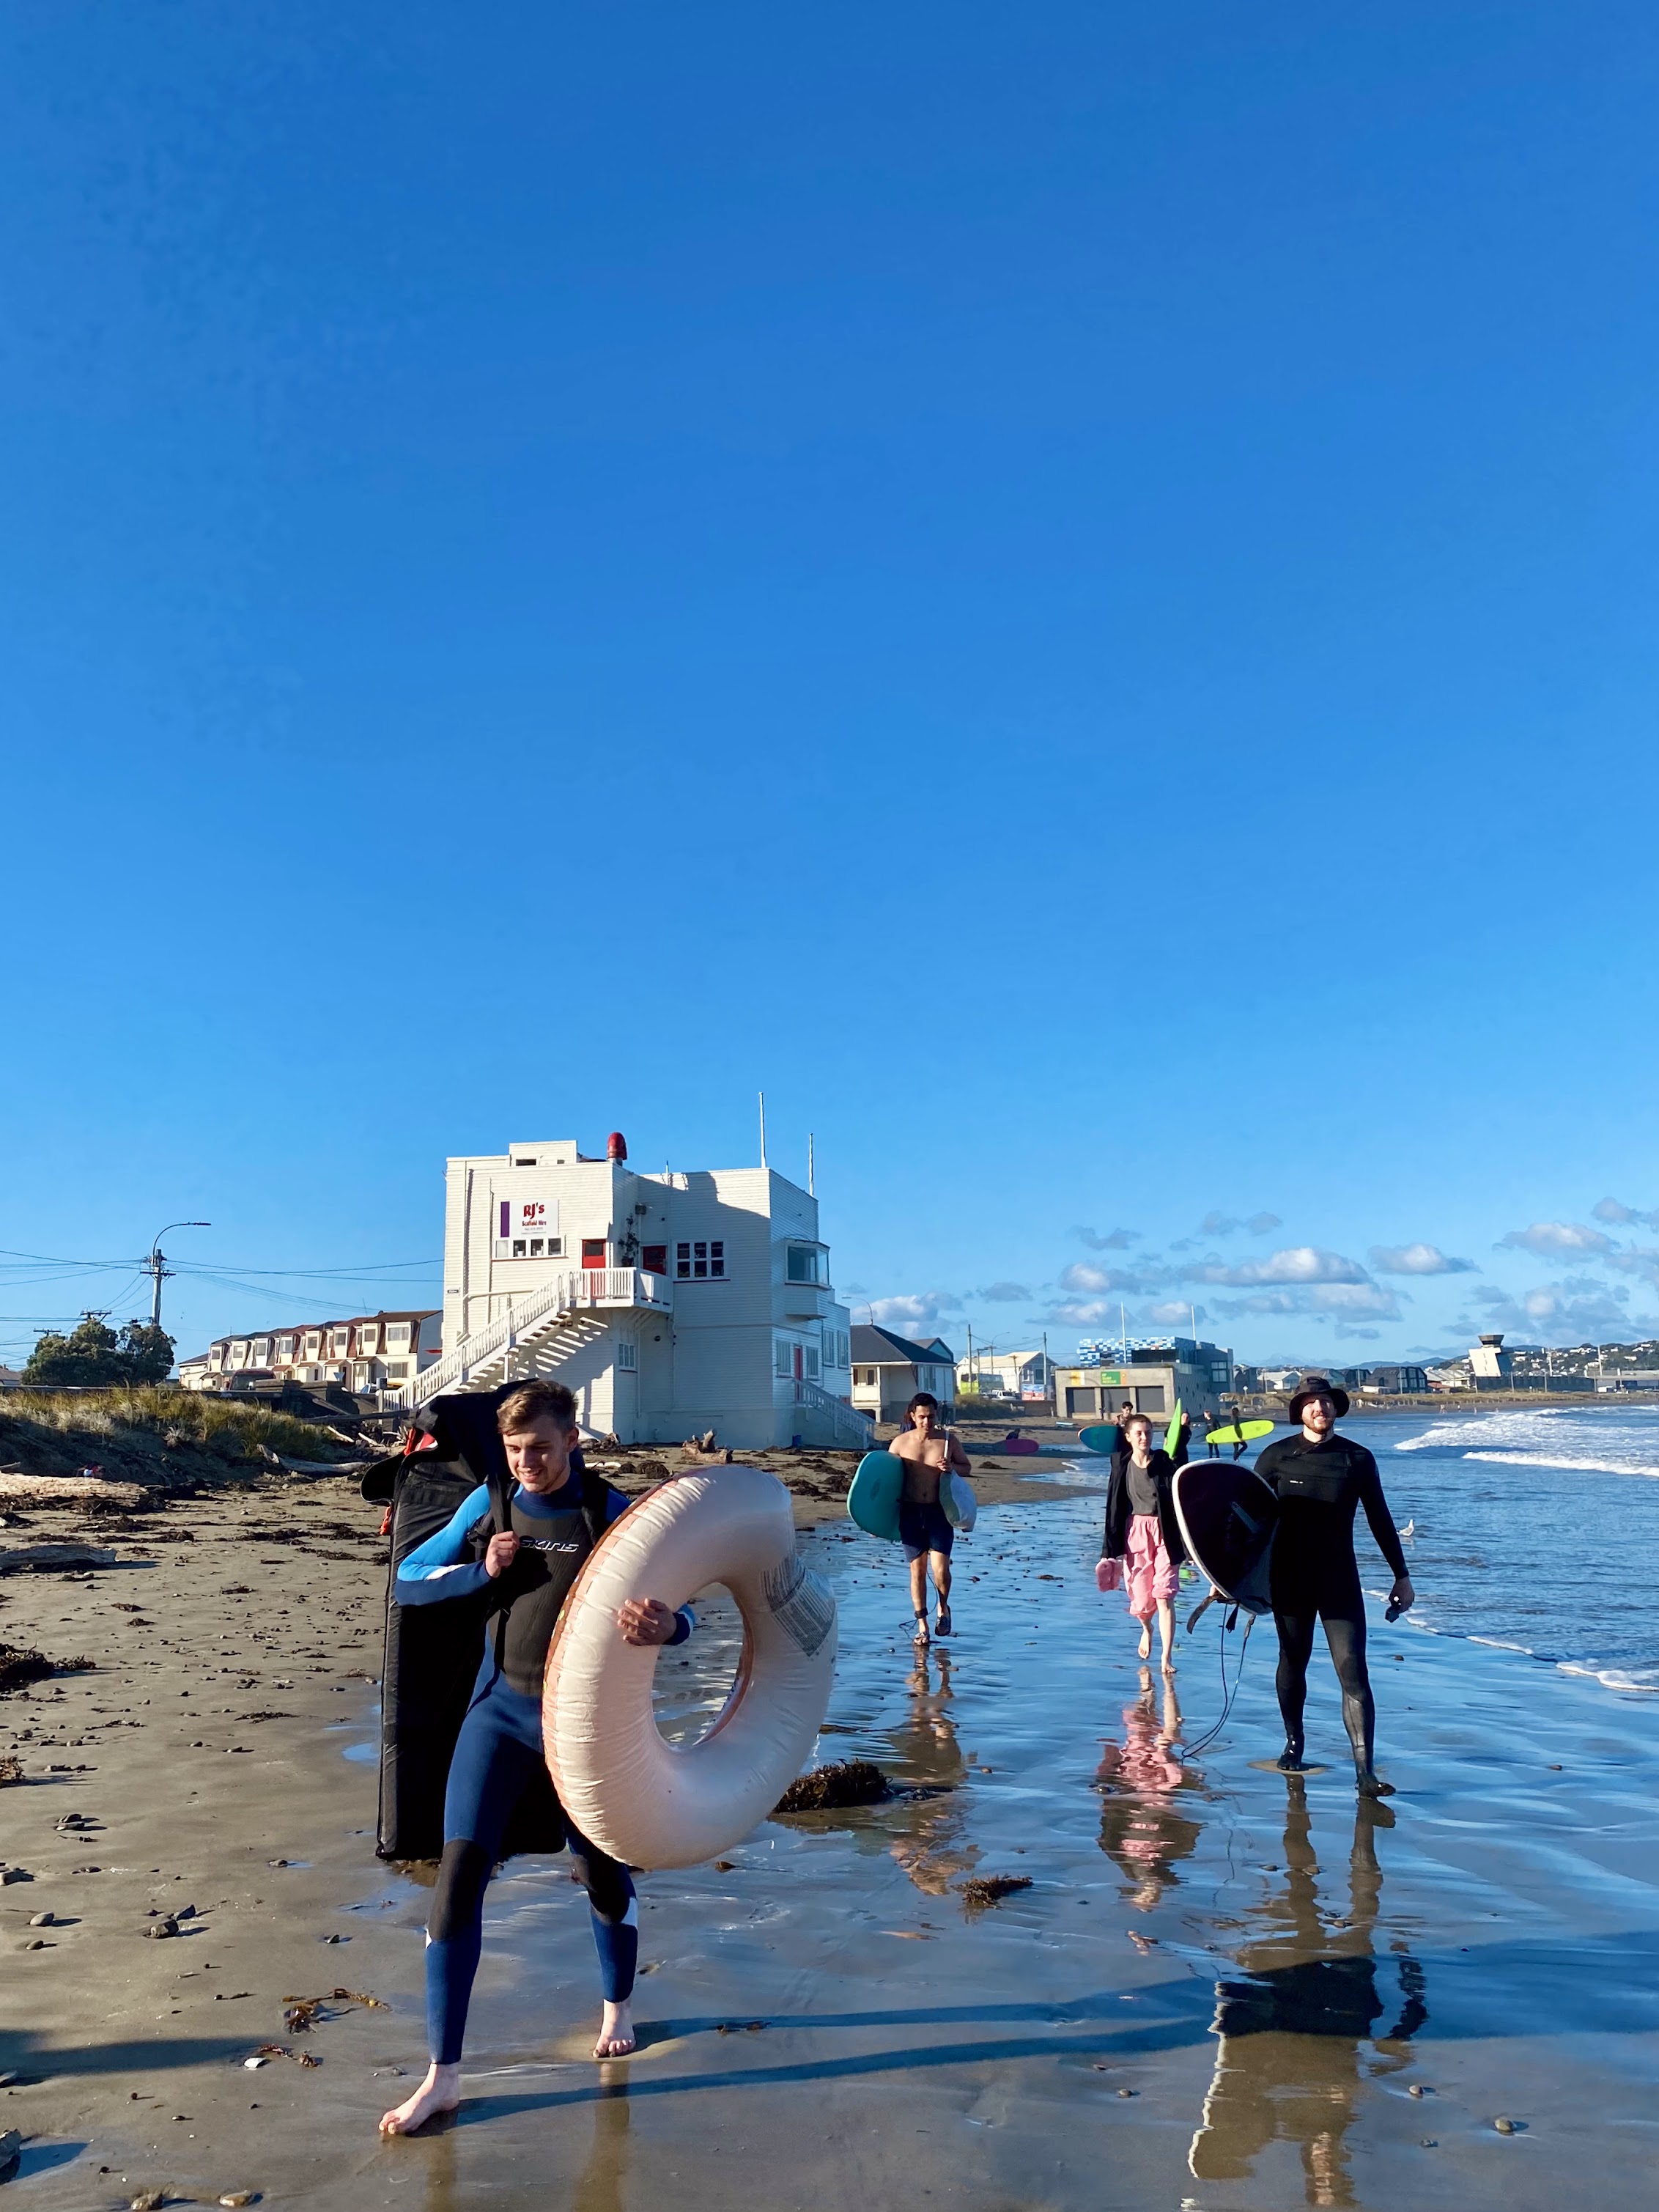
{"type": "Point", "coordinates": [43, 1920]}
{"type": "Point", "coordinates": [237, 2196]}
{"type": "Point", "coordinates": [1504, 2127]}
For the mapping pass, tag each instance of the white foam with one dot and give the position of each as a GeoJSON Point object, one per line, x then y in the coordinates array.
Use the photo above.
{"type": "Point", "coordinates": [1570, 1466]}
{"type": "Point", "coordinates": [1611, 1678]}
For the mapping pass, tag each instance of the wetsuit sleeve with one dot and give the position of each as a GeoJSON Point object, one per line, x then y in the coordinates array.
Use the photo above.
{"type": "Point", "coordinates": [440, 1568]}
{"type": "Point", "coordinates": [684, 1619]}
{"type": "Point", "coordinates": [1377, 1513]}
{"type": "Point", "coordinates": [1178, 1457]}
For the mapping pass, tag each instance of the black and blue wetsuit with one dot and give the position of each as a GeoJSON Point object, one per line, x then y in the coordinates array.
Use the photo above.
{"type": "Point", "coordinates": [498, 1753]}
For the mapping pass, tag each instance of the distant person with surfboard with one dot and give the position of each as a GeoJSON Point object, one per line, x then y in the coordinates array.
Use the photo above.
{"type": "Point", "coordinates": [1142, 1534]}
{"type": "Point", "coordinates": [1320, 1480]}
{"type": "Point", "coordinates": [928, 1450]}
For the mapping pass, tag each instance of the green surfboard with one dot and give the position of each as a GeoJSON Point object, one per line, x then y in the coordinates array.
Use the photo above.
{"type": "Point", "coordinates": [1172, 1434]}
{"type": "Point", "coordinates": [1240, 1432]}
{"type": "Point", "coordinates": [873, 1499]}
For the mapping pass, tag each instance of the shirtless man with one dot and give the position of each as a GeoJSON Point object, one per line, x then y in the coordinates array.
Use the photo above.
{"type": "Point", "coordinates": [924, 1531]}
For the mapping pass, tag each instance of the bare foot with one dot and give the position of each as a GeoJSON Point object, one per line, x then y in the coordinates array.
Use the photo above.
{"type": "Point", "coordinates": [441, 2092]}
{"type": "Point", "coordinates": [921, 1635]}
{"type": "Point", "coordinates": [1145, 1651]}
{"type": "Point", "coordinates": [616, 2031]}
{"type": "Point", "coordinates": [1168, 1666]}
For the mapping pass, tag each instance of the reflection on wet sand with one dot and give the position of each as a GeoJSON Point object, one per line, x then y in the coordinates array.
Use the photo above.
{"type": "Point", "coordinates": [1289, 2067]}
{"type": "Point", "coordinates": [927, 1831]}
{"type": "Point", "coordinates": [1143, 1828]}
{"type": "Point", "coordinates": [599, 2186]}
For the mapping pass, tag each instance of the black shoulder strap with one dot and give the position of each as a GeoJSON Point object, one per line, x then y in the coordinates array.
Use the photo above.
{"type": "Point", "coordinates": [596, 1497]}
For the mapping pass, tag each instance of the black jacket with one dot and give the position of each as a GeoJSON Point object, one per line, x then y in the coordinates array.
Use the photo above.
{"type": "Point", "coordinates": [1115, 1539]}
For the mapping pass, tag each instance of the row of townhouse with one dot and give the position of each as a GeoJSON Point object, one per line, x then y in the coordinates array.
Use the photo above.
{"type": "Point", "coordinates": [364, 1353]}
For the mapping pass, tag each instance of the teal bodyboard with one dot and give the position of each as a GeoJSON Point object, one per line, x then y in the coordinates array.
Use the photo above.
{"type": "Point", "coordinates": [873, 1499]}
{"type": "Point", "coordinates": [1101, 1438]}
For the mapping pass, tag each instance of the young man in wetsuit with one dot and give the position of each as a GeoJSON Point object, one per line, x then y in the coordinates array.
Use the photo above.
{"type": "Point", "coordinates": [531, 1567]}
{"type": "Point", "coordinates": [924, 1531]}
{"type": "Point", "coordinates": [1321, 1478]}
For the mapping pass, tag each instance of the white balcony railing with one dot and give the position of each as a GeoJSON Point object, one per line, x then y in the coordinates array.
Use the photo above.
{"type": "Point", "coordinates": [573, 1291]}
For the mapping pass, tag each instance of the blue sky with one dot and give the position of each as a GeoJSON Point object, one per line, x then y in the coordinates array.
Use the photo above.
{"type": "Point", "coordinates": [1072, 596]}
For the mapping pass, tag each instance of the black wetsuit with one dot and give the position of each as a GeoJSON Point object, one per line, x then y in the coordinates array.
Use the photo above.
{"type": "Point", "coordinates": [1316, 1576]}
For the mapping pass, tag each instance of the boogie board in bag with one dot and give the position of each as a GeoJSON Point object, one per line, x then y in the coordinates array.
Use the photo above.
{"type": "Point", "coordinates": [432, 1652]}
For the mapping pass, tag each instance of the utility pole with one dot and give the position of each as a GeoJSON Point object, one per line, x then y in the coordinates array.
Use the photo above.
{"type": "Point", "coordinates": [762, 1123]}
{"type": "Point", "coordinates": [158, 1270]}
{"type": "Point", "coordinates": [811, 1190]}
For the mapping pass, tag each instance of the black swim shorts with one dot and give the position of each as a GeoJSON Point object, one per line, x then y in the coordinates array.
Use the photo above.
{"type": "Point", "coordinates": [924, 1528]}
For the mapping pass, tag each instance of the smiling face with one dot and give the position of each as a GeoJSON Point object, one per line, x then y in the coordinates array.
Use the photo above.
{"type": "Point", "coordinates": [539, 1456]}
{"type": "Point", "coordinates": [1319, 1415]}
{"type": "Point", "coordinates": [1137, 1432]}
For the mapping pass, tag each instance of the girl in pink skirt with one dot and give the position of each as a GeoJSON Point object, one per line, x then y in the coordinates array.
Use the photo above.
{"type": "Point", "coordinates": [1142, 1545]}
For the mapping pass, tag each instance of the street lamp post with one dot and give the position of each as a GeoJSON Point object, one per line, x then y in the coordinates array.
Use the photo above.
{"type": "Point", "coordinates": [157, 1269]}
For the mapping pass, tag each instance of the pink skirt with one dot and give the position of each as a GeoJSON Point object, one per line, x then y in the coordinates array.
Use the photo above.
{"type": "Point", "coordinates": [1151, 1572]}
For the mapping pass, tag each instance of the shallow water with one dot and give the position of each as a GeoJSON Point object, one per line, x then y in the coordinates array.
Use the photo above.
{"type": "Point", "coordinates": [1265, 1968]}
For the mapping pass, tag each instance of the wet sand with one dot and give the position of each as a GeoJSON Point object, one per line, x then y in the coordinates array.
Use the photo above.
{"type": "Point", "coordinates": [825, 2019]}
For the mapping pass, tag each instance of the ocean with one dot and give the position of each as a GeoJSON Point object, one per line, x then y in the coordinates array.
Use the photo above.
{"type": "Point", "coordinates": [1535, 1532]}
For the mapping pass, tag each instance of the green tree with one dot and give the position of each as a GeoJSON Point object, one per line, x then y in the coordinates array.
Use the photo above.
{"type": "Point", "coordinates": [93, 1353]}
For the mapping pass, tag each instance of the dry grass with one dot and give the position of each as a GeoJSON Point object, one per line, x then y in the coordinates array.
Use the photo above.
{"type": "Point", "coordinates": [179, 1416]}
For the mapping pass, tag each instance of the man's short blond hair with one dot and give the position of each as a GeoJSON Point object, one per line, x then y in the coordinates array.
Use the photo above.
{"type": "Point", "coordinates": [533, 1402]}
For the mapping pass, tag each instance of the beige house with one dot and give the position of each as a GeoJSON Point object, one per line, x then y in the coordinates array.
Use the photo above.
{"type": "Point", "coordinates": [888, 1370]}
{"type": "Point", "coordinates": [365, 1353]}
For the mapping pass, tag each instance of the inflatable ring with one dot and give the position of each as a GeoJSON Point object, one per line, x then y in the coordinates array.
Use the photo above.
{"type": "Point", "coordinates": [646, 1801]}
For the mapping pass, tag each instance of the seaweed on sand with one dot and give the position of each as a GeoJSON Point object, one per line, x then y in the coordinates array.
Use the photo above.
{"type": "Point", "coordinates": [847, 1781]}
{"type": "Point", "coordinates": [991, 1889]}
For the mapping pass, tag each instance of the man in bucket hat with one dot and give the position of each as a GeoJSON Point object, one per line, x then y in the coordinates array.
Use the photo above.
{"type": "Point", "coordinates": [1321, 1478]}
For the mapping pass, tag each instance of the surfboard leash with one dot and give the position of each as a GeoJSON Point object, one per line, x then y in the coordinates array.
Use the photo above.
{"type": "Point", "coordinates": [1204, 1742]}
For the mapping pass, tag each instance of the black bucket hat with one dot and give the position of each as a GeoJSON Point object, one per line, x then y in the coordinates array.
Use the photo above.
{"type": "Point", "coordinates": [1319, 1386]}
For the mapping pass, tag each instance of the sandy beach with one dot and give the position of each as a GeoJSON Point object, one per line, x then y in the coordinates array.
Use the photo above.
{"type": "Point", "coordinates": [826, 2017]}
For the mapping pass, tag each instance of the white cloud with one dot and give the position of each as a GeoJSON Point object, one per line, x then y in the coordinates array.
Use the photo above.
{"type": "Point", "coordinates": [1636, 1260]}
{"type": "Point", "coordinates": [1577, 1310]}
{"type": "Point", "coordinates": [1347, 1304]}
{"type": "Point", "coordinates": [1004, 1293]}
{"type": "Point", "coordinates": [1124, 1282]}
{"type": "Point", "coordinates": [1216, 1223]}
{"type": "Point", "coordinates": [1116, 1240]}
{"type": "Point", "coordinates": [1418, 1259]}
{"type": "Point", "coordinates": [1624, 1217]}
{"type": "Point", "coordinates": [1557, 1237]}
{"type": "Point", "coordinates": [1082, 1313]}
{"type": "Point", "coordinates": [1297, 1263]}
{"type": "Point", "coordinates": [915, 1314]}
{"type": "Point", "coordinates": [1174, 1314]}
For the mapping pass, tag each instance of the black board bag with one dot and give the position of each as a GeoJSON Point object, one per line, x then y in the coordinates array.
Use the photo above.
{"type": "Point", "coordinates": [432, 1652]}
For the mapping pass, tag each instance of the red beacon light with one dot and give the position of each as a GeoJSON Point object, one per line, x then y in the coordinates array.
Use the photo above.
{"type": "Point", "coordinates": [616, 1146]}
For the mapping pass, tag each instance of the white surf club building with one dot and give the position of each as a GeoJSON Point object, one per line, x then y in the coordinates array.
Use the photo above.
{"type": "Point", "coordinates": [669, 1304]}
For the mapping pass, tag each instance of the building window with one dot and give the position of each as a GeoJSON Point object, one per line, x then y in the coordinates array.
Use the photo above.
{"type": "Point", "coordinates": [397, 1336]}
{"type": "Point", "coordinates": [783, 1356]}
{"type": "Point", "coordinates": [696, 1263]}
{"type": "Point", "coordinates": [342, 1343]}
{"type": "Point", "coordinates": [804, 1263]}
{"type": "Point", "coordinates": [654, 1259]}
{"type": "Point", "coordinates": [811, 1362]}
{"type": "Point", "coordinates": [397, 1371]}
{"type": "Point", "coordinates": [592, 1251]}
{"type": "Point", "coordinates": [628, 1357]}
{"type": "Point", "coordinates": [285, 1350]}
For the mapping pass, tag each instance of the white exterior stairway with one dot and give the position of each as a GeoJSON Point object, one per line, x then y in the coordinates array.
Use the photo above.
{"type": "Point", "coordinates": [849, 1430]}
{"type": "Point", "coordinates": [556, 1321]}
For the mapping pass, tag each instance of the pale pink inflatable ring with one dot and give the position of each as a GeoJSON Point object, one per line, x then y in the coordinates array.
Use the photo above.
{"type": "Point", "coordinates": [641, 1799]}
